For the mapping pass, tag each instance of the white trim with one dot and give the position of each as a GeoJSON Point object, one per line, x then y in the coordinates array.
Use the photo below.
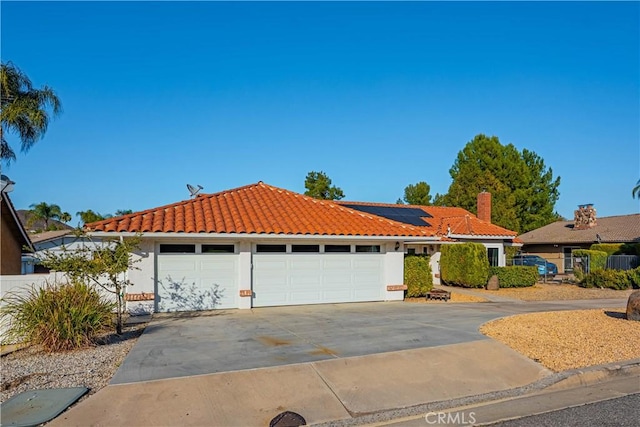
{"type": "Point", "coordinates": [479, 237]}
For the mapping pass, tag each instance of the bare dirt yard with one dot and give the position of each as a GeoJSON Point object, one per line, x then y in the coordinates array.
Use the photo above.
{"type": "Point", "coordinates": [552, 292]}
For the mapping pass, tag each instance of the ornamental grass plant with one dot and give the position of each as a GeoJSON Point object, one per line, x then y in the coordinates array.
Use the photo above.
{"type": "Point", "coordinates": [56, 316]}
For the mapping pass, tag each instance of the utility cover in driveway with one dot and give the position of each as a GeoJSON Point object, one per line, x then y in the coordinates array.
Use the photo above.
{"type": "Point", "coordinates": [34, 407]}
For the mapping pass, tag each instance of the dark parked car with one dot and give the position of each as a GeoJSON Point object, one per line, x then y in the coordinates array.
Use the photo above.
{"type": "Point", "coordinates": [544, 266]}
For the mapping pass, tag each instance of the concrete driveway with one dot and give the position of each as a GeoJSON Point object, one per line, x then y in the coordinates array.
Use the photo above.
{"type": "Point", "coordinates": [175, 345]}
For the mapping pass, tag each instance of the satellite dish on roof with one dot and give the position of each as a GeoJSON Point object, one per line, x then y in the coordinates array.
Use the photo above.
{"type": "Point", "coordinates": [6, 185]}
{"type": "Point", "coordinates": [194, 190]}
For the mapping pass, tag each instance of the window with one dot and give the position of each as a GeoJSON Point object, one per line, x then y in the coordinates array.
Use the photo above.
{"type": "Point", "coordinates": [492, 254]}
{"type": "Point", "coordinates": [218, 249]}
{"type": "Point", "coordinates": [368, 248]}
{"type": "Point", "coordinates": [271, 248]}
{"type": "Point", "coordinates": [305, 248]}
{"type": "Point", "coordinates": [177, 249]}
{"type": "Point", "coordinates": [337, 248]}
{"type": "Point", "coordinates": [411, 251]}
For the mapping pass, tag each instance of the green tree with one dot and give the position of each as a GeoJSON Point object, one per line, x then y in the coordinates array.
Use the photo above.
{"type": "Point", "coordinates": [45, 212]}
{"type": "Point", "coordinates": [24, 110]}
{"type": "Point", "coordinates": [65, 217]}
{"type": "Point", "coordinates": [523, 189]}
{"type": "Point", "coordinates": [417, 194]}
{"type": "Point", "coordinates": [90, 216]}
{"type": "Point", "coordinates": [121, 212]}
{"type": "Point", "coordinates": [635, 193]}
{"type": "Point", "coordinates": [101, 264]}
{"type": "Point", "coordinates": [318, 186]}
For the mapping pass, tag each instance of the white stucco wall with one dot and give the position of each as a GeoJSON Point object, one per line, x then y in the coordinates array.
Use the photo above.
{"type": "Point", "coordinates": [393, 272]}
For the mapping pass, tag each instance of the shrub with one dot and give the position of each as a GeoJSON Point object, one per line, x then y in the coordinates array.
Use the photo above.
{"type": "Point", "coordinates": [609, 248]}
{"type": "Point", "coordinates": [634, 277]}
{"type": "Point", "coordinates": [612, 279]}
{"type": "Point", "coordinates": [417, 276]}
{"type": "Point", "coordinates": [516, 276]}
{"type": "Point", "coordinates": [630, 249]}
{"type": "Point", "coordinates": [597, 259]}
{"type": "Point", "coordinates": [464, 264]}
{"type": "Point", "coordinates": [57, 316]}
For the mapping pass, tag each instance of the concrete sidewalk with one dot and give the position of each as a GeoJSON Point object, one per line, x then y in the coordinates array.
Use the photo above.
{"type": "Point", "coordinates": [324, 391]}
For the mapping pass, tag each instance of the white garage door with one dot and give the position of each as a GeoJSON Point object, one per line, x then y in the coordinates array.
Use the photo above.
{"type": "Point", "coordinates": [294, 279]}
{"type": "Point", "coordinates": [189, 282]}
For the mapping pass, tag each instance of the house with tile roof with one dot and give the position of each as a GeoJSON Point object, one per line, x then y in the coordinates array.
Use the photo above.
{"type": "Point", "coordinates": [556, 241]}
{"type": "Point", "coordinates": [259, 245]}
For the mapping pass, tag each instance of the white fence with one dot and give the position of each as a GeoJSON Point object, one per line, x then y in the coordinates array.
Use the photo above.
{"type": "Point", "coordinates": [25, 281]}
{"type": "Point", "coordinates": [22, 283]}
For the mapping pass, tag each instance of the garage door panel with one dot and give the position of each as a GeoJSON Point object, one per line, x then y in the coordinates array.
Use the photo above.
{"type": "Point", "coordinates": [337, 262]}
{"type": "Point", "coordinates": [317, 279]}
{"type": "Point", "coordinates": [196, 282]}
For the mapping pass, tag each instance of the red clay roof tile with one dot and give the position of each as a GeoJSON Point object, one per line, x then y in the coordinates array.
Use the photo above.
{"type": "Point", "coordinates": [258, 209]}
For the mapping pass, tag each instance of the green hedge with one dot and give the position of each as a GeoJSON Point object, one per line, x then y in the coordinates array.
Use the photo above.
{"type": "Point", "coordinates": [609, 248]}
{"type": "Point", "coordinates": [517, 276]}
{"type": "Point", "coordinates": [597, 259]}
{"type": "Point", "coordinates": [417, 276]}
{"type": "Point", "coordinates": [611, 279]}
{"type": "Point", "coordinates": [634, 277]}
{"type": "Point", "coordinates": [630, 249]}
{"type": "Point", "coordinates": [464, 264]}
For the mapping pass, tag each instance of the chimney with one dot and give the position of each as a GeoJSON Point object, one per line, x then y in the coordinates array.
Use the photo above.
{"type": "Point", "coordinates": [584, 217]}
{"type": "Point", "coordinates": [484, 206]}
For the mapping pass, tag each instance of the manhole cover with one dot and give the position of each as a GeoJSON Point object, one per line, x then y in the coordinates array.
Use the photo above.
{"type": "Point", "coordinates": [34, 407]}
{"type": "Point", "coordinates": [288, 419]}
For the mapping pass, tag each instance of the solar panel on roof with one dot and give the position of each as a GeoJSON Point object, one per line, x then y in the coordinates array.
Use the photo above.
{"type": "Point", "coordinates": [411, 216]}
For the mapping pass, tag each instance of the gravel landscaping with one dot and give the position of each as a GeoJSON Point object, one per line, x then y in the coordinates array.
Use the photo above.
{"type": "Point", "coordinates": [564, 340]}
{"type": "Point", "coordinates": [32, 368]}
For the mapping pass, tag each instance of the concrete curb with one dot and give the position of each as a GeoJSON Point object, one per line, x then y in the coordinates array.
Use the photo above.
{"type": "Point", "coordinates": [595, 374]}
{"type": "Point", "coordinates": [555, 383]}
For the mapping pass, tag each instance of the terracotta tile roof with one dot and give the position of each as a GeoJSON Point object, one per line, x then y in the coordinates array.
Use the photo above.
{"type": "Point", "coordinates": [442, 219]}
{"type": "Point", "coordinates": [258, 209]}
{"type": "Point", "coordinates": [610, 229]}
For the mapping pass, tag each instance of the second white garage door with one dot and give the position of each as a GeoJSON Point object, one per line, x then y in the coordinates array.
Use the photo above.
{"type": "Point", "coordinates": [294, 279]}
{"type": "Point", "coordinates": [191, 282]}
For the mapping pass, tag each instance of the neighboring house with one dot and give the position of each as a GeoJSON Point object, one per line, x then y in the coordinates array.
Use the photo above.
{"type": "Point", "coordinates": [260, 245]}
{"type": "Point", "coordinates": [55, 241]}
{"type": "Point", "coordinates": [13, 237]}
{"type": "Point", "coordinates": [557, 241]}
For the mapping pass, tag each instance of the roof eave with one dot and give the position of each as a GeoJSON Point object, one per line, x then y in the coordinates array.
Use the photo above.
{"type": "Point", "coordinates": [255, 236]}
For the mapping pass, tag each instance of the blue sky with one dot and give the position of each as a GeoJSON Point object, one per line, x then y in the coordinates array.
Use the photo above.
{"type": "Point", "coordinates": [378, 95]}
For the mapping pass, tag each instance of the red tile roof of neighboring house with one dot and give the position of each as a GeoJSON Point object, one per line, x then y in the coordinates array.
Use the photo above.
{"type": "Point", "coordinates": [445, 220]}
{"type": "Point", "coordinates": [258, 209]}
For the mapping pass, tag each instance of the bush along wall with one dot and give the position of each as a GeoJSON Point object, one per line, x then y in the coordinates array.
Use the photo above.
{"type": "Point", "coordinates": [464, 264]}
{"type": "Point", "coordinates": [609, 248]}
{"type": "Point", "coordinates": [612, 279]}
{"type": "Point", "coordinates": [417, 276]}
{"type": "Point", "coordinates": [517, 276]}
{"type": "Point", "coordinates": [597, 259]}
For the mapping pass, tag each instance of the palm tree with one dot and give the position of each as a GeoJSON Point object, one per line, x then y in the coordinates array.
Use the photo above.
{"type": "Point", "coordinates": [65, 217]}
{"type": "Point", "coordinates": [44, 211]}
{"type": "Point", "coordinates": [635, 193]}
{"type": "Point", "coordinates": [23, 109]}
{"type": "Point", "coordinates": [90, 216]}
